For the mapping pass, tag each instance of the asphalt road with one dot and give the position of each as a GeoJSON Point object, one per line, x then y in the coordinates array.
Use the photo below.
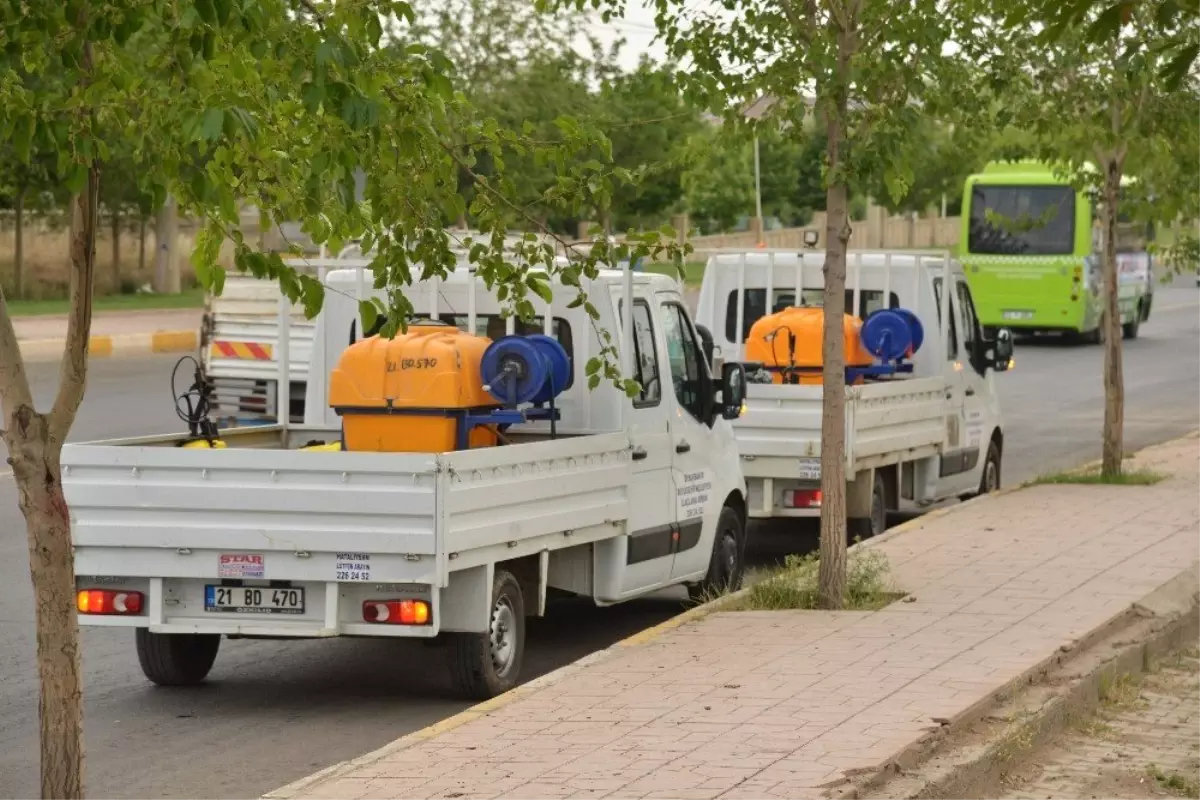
{"type": "Point", "coordinates": [276, 711]}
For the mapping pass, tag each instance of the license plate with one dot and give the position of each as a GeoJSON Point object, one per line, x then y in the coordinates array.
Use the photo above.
{"type": "Point", "coordinates": [1018, 315]}
{"type": "Point", "coordinates": [253, 600]}
{"type": "Point", "coordinates": [810, 469]}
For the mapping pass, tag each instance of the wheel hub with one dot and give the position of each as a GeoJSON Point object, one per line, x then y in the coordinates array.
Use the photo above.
{"type": "Point", "coordinates": [990, 481]}
{"type": "Point", "coordinates": [729, 554]}
{"type": "Point", "coordinates": [503, 636]}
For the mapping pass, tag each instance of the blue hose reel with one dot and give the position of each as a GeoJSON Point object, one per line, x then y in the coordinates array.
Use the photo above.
{"type": "Point", "coordinates": [525, 369]}
{"type": "Point", "coordinates": [891, 334]}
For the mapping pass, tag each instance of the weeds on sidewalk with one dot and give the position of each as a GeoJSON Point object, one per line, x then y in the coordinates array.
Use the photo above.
{"type": "Point", "coordinates": [1174, 783]}
{"type": "Point", "coordinates": [1133, 477]}
{"type": "Point", "coordinates": [794, 586]}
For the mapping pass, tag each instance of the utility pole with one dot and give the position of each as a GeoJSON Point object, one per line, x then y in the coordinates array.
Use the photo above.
{"type": "Point", "coordinates": [758, 214]}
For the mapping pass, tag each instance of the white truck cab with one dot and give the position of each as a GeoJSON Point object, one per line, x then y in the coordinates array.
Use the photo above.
{"type": "Point", "coordinates": [188, 540]}
{"type": "Point", "coordinates": [914, 439]}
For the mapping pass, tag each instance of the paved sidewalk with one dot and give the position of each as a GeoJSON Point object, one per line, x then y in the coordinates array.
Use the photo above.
{"type": "Point", "coordinates": [789, 703]}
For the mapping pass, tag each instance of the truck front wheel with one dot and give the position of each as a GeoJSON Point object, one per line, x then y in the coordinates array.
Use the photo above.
{"type": "Point", "coordinates": [484, 665]}
{"type": "Point", "coordinates": [728, 563]}
{"type": "Point", "coordinates": [176, 659]}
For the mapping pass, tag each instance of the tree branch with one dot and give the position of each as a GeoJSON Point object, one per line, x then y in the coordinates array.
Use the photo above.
{"type": "Point", "coordinates": [73, 373]}
{"type": "Point", "coordinates": [14, 383]}
{"type": "Point", "coordinates": [803, 25]}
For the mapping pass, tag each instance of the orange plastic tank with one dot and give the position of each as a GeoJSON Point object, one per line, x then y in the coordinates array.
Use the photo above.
{"type": "Point", "coordinates": [390, 393]}
{"type": "Point", "coordinates": [768, 342]}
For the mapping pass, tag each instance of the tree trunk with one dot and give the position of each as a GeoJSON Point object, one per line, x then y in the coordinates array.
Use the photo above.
{"type": "Point", "coordinates": [19, 243]}
{"type": "Point", "coordinates": [166, 265]}
{"type": "Point", "coordinates": [34, 443]}
{"type": "Point", "coordinates": [1114, 381]}
{"type": "Point", "coordinates": [35, 458]}
{"type": "Point", "coordinates": [141, 246]}
{"type": "Point", "coordinates": [831, 587]}
{"type": "Point", "coordinates": [116, 250]}
{"type": "Point", "coordinates": [831, 576]}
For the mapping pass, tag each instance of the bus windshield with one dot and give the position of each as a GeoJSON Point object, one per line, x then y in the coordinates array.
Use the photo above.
{"type": "Point", "coordinates": [1022, 220]}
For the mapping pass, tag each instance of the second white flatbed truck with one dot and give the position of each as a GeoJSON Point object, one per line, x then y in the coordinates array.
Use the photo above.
{"type": "Point", "coordinates": [259, 539]}
{"type": "Point", "coordinates": [915, 440]}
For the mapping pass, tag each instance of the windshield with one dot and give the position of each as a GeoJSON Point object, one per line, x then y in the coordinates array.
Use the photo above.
{"type": "Point", "coordinates": [1022, 220]}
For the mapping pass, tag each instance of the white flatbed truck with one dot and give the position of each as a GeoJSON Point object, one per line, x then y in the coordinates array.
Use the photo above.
{"type": "Point", "coordinates": [258, 539]}
{"type": "Point", "coordinates": [914, 440]}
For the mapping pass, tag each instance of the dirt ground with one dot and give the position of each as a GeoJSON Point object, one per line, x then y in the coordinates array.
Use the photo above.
{"type": "Point", "coordinates": [1144, 742]}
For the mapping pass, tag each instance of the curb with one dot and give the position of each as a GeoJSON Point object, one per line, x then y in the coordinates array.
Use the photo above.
{"type": "Point", "coordinates": [1021, 719]}
{"type": "Point", "coordinates": [130, 344]}
{"type": "Point", "coordinates": [645, 637]}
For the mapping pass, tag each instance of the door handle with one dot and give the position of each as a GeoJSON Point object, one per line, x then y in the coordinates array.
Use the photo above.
{"type": "Point", "coordinates": [639, 453]}
{"type": "Point", "coordinates": [969, 392]}
{"type": "Point", "coordinates": [683, 447]}
{"type": "Point", "coordinates": [949, 395]}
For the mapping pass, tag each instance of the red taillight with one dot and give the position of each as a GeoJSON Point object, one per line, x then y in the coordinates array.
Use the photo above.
{"type": "Point", "coordinates": [802, 498]}
{"type": "Point", "coordinates": [396, 612]}
{"type": "Point", "coordinates": [108, 601]}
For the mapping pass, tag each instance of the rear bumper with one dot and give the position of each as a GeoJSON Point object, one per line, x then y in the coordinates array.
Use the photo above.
{"type": "Point", "coordinates": [176, 605]}
{"type": "Point", "coordinates": [764, 498]}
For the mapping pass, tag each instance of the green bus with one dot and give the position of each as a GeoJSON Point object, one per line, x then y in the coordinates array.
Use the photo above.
{"type": "Point", "coordinates": [1031, 246]}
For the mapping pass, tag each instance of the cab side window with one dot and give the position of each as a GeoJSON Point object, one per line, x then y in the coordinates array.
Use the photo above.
{"type": "Point", "coordinates": [971, 331]}
{"type": "Point", "coordinates": [645, 355]}
{"type": "Point", "coordinates": [685, 358]}
{"type": "Point", "coordinates": [952, 339]}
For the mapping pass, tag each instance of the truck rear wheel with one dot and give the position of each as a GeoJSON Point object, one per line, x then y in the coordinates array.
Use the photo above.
{"type": "Point", "coordinates": [176, 659]}
{"type": "Point", "coordinates": [484, 665]}
{"type": "Point", "coordinates": [875, 524]}
{"type": "Point", "coordinates": [1130, 329]}
{"type": "Point", "coordinates": [728, 564]}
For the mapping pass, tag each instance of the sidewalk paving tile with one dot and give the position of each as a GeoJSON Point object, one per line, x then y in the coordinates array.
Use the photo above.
{"type": "Point", "coordinates": [783, 704]}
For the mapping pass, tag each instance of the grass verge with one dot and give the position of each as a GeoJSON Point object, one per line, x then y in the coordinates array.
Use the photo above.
{"type": "Point", "coordinates": [794, 585]}
{"type": "Point", "coordinates": [1133, 477]}
{"type": "Point", "coordinates": [693, 271]}
{"type": "Point", "coordinates": [193, 298]}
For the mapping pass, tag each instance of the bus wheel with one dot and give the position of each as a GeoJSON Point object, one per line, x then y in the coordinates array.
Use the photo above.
{"type": "Point", "coordinates": [1130, 329]}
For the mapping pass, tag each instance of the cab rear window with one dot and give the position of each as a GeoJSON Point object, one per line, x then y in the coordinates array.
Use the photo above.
{"type": "Point", "coordinates": [754, 306]}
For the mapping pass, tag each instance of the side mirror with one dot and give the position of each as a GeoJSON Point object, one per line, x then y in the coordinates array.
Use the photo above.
{"type": "Point", "coordinates": [733, 390]}
{"type": "Point", "coordinates": [1002, 350]}
{"type": "Point", "coordinates": [706, 343]}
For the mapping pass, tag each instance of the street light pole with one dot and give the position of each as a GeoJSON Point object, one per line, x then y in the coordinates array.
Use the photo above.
{"type": "Point", "coordinates": [758, 214]}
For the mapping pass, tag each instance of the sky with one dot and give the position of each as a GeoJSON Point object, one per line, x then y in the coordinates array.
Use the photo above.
{"type": "Point", "coordinates": [637, 28]}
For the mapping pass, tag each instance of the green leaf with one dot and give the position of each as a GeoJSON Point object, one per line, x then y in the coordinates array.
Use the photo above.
{"type": "Point", "coordinates": [369, 314]}
{"type": "Point", "coordinates": [539, 288]}
{"type": "Point", "coordinates": [26, 127]}
{"type": "Point", "coordinates": [212, 124]}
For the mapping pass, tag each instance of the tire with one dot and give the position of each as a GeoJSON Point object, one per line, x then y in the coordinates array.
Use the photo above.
{"type": "Point", "coordinates": [176, 659]}
{"type": "Point", "coordinates": [865, 528]}
{"type": "Point", "coordinates": [484, 665]}
{"type": "Point", "coordinates": [727, 566]}
{"type": "Point", "coordinates": [1130, 329]}
{"type": "Point", "coordinates": [989, 480]}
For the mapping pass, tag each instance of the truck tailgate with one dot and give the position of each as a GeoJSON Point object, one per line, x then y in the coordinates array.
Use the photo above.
{"type": "Point", "coordinates": [243, 333]}
{"type": "Point", "coordinates": [172, 512]}
{"type": "Point", "coordinates": [779, 435]}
